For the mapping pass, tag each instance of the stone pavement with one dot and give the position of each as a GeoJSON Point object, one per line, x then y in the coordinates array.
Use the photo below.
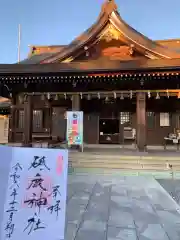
{"type": "Point", "coordinates": [172, 186]}
{"type": "Point", "coordinates": [117, 207]}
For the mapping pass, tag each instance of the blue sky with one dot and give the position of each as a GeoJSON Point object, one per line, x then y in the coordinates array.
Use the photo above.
{"type": "Point", "coordinates": [48, 22]}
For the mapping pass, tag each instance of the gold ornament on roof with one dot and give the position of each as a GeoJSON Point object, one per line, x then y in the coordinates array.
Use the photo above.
{"type": "Point", "coordinates": [67, 60]}
{"type": "Point", "coordinates": [110, 33]}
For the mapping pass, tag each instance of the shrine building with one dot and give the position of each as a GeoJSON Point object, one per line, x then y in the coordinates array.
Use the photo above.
{"type": "Point", "coordinates": [127, 85]}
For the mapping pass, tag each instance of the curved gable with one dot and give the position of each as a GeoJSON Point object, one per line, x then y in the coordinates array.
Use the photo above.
{"type": "Point", "coordinates": [127, 36]}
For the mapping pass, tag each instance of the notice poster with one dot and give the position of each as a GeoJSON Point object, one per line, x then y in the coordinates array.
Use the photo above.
{"type": "Point", "coordinates": [75, 128]}
{"type": "Point", "coordinates": [35, 199]}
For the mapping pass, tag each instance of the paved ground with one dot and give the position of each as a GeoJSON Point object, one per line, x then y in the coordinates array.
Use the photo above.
{"type": "Point", "coordinates": [124, 208]}
{"type": "Point", "coordinates": [172, 186]}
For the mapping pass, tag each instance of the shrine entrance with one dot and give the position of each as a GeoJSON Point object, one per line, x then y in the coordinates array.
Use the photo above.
{"type": "Point", "coordinates": [109, 131]}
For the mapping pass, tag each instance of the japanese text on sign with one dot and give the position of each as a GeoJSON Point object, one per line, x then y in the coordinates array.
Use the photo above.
{"type": "Point", "coordinates": [36, 195]}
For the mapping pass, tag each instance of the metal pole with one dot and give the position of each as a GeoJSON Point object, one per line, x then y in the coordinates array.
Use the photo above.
{"type": "Point", "coordinates": [19, 43]}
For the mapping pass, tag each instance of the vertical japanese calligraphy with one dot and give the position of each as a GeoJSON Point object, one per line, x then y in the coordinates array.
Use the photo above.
{"type": "Point", "coordinates": [55, 207]}
{"type": "Point", "coordinates": [13, 203]}
{"type": "Point", "coordinates": [36, 195]}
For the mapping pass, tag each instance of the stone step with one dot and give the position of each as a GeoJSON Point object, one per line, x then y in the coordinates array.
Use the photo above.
{"type": "Point", "coordinates": [129, 157]}
{"type": "Point", "coordinates": [119, 166]}
{"type": "Point", "coordinates": [127, 172]}
{"type": "Point", "coordinates": [128, 164]}
{"type": "Point", "coordinates": [103, 156]}
{"type": "Point", "coordinates": [111, 161]}
{"type": "Point", "coordinates": [177, 162]}
{"type": "Point", "coordinates": [106, 165]}
{"type": "Point", "coordinates": [123, 161]}
{"type": "Point", "coordinates": [138, 171]}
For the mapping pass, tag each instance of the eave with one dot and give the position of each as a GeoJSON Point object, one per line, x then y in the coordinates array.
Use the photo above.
{"type": "Point", "coordinates": [89, 67]}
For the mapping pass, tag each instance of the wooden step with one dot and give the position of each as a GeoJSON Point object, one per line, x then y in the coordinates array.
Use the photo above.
{"type": "Point", "coordinates": [92, 156]}
{"type": "Point", "coordinates": [124, 157]}
{"type": "Point", "coordinates": [155, 167]}
{"type": "Point", "coordinates": [106, 165]}
{"type": "Point", "coordinates": [92, 160]}
{"type": "Point", "coordinates": [120, 161]}
{"type": "Point", "coordinates": [119, 166]}
{"type": "Point", "coordinates": [120, 169]}
{"type": "Point", "coordinates": [103, 161]}
{"type": "Point", "coordinates": [177, 162]}
{"type": "Point", "coordinates": [160, 158]}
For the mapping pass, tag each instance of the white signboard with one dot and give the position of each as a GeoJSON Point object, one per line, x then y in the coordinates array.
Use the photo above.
{"type": "Point", "coordinates": [36, 194]}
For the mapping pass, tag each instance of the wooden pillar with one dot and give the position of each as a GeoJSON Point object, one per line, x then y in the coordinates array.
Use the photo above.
{"type": "Point", "coordinates": [12, 120]}
{"type": "Point", "coordinates": [76, 102]}
{"type": "Point", "coordinates": [28, 121]}
{"type": "Point", "coordinates": [141, 121]}
{"type": "Point", "coordinates": [48, 106]}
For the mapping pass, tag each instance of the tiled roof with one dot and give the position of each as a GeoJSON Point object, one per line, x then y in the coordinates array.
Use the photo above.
{"type": "Point", "coordinates": [101, 65]}
{"type": "Point", "coordinates": [35, 58]}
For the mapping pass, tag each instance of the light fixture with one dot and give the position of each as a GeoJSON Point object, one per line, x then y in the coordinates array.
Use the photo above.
{"type": "Point", "coordinates": [149, 94]}
{"type": "Point", "coordinates": [114, 93]}
{"type": "Point", "coordinates": [65, 96]}
{"type": "Point", "coordinates": [178, 96]}
{"type": "Point", "coordinates": [81, 95]}
{"type": "Point", "coordinates": [167, 92]}
{"type": "Point", "coordinates": [122, 97]}
{"type": "Point", "coordinates": [157, 96]}
{"type": "Point", "coordinates": [99, 96]}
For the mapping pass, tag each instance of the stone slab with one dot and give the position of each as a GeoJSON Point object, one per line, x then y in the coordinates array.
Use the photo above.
{"type": "Point", "coordinates": [120, 207]}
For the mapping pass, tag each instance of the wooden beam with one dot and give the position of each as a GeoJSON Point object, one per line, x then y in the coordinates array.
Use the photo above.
{"type": "Point", "coordinates": [141, 121]}
{"type": "Point", "coordinates": [28, 121]}
{"type": "Point", "coordinates": [48, 107]}
{"type": "Point", "coordinates": [76, 102]}
{"type": "Point", "coordinates": [12, 120]}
